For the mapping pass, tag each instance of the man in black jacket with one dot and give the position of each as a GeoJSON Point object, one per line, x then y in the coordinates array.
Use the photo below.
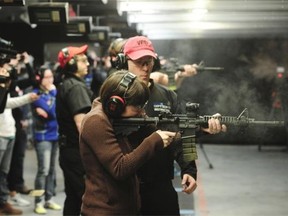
{"type": "Point", "coordinates": [73, 101]}
{"type": "Point", "coordinates": [158, 195]}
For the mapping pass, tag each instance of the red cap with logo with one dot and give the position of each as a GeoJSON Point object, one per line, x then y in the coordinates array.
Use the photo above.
{"type": "Point", "coordinates": [67, 53]}
{"type": "Point", "coordinates": [139, 46]}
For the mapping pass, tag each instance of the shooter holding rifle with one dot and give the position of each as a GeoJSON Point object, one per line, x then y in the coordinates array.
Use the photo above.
{"type": "Point", "coordinates": [188, 125]}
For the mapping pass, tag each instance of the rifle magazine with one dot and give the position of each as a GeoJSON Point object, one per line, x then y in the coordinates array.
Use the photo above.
{"type": "Point", "coordinates": [189, 149]}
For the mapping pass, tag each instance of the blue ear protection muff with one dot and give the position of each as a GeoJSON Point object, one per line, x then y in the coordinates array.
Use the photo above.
{"type": "Point", "coordinates": [116, 104]}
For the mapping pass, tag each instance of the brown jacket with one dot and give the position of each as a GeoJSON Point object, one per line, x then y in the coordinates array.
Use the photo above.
{"type": "Point", "coordinates": [110, 164]}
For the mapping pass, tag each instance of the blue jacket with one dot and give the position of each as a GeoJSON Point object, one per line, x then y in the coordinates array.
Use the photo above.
{"type": "Point", "coordinates": [45, 128]}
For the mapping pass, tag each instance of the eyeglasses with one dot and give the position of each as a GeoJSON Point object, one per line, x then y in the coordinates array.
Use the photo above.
{"type": "Point", "coordinates": [143, 62]}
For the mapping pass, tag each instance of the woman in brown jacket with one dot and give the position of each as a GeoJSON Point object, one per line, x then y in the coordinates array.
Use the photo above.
{"type": "Point", "coordinates": [109, 160]}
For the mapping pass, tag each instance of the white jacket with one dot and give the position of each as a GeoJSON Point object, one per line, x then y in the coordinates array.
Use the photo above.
{"type": "Point", "coordinates": [7, 121]}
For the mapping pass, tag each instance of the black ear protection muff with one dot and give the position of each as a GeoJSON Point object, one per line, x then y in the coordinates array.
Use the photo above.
{"type": "Point", "coordinates": [116, 104]}
{"type": "Point", "coordinates": [71, 65]}
{"type": "Point", "coordinates": [116, 47]}
{"type": "Point", "coordinates": [157, 64]}
{"type": "Point", "coordinates": [121, 62]}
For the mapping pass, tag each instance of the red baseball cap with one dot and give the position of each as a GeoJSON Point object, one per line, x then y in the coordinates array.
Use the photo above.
{"type": "Point", "coordinates": [139, 46]}
{"type": "Point", "coordinates": [67, 53]}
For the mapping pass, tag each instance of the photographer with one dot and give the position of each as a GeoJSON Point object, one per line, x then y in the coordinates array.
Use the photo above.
{"type": "Point", "coordinates": [4, 75]}
{"type": "Point", "coordinates": [23, 78]}
{"type": "Point", "coordinates": [4, 79]}
{"type": "Point", "coordinates": [7, 140]}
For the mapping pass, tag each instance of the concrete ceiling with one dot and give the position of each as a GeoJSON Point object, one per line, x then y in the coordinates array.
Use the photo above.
{"type": "Point", "coordinates": [176, 19]}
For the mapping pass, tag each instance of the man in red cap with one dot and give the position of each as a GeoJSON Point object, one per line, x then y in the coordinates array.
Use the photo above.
{"type": "Point", "coordinates": [73, 101]}
{"type": "Point", "coordinates": [158, 196]}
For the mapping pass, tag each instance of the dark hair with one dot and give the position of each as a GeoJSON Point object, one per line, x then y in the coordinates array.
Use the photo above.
{"type": "Point", "coordinates": [136, 94]}
{"type": "Point", "coordinates": [70, 66]}
{"type": "Point", "coordinates": [41, 71]}
{"type": "Point", "coordinates": [39, 75]}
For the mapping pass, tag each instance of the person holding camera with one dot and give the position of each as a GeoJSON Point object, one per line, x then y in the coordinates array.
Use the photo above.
{"type": "Point", "coordinates": [22, 80]}
{"type": "Point", "coordinates": [73, 101]}
{"type": "Point", "coordinates": [4, 79]}
{"type": "Point", "coordinates": [7, 140]}
{"type": "Point", "coordinates": [112, 187]}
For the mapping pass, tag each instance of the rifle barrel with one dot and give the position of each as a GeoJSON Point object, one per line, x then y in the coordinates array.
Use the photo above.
{"type": "Point", "coordinates": [244, 121]}
{"type": "Point", "coordinates": [184, 121]}
{"type": "Point", "coordinates": [201, 69]}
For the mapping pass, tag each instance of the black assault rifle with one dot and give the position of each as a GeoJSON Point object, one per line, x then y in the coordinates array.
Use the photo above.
{"type": "Point", "coordinates": [188, 125]}
{"type": "Point", "coordinates": [201, 68]}
{"type": "Point", "coordinates": [172, 66]}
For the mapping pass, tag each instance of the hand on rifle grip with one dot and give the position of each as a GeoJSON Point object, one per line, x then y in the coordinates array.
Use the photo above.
{"type": "Point", "coordinates": [167, 137]}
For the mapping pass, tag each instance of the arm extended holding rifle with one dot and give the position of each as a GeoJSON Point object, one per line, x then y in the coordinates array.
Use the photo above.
{"type": "Point", "coordinates": [200, 68]}
{"type": "Point", "coordinates": [189, 70]}
{"type": "Point", "coordinates": [187, 125]}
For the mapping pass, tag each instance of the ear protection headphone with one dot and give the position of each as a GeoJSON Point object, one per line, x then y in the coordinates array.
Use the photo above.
{"type": "Point", "coordinates": [116, 104]}
{"type": "Point", "coordinates": [121, 62]}
{"type": "Point", "coordinates": [39, 74]}
{"type": "Point", "coordinates": [71, 66]}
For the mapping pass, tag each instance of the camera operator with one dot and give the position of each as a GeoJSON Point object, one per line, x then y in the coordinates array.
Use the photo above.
{"type": "Point", "coordinates": [4, 79]}
{"type": "Point", "coordinates": [4, 75]}
{"type": "Point", "coordinates": [7, 140]}
{"type": "Point", "coordinates": [22, 78]}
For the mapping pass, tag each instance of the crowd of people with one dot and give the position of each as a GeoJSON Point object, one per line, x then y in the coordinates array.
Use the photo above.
{"type": "Point", "coordinates": [106, 170]}
{"type": "Point", "coordinates": [27, 89]}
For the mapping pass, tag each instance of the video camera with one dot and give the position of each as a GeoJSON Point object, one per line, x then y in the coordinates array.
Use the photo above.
{"type": "Point", "coordinates": [6, 51]}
